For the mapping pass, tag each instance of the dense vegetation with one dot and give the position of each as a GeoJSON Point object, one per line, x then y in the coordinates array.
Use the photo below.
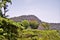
{"type": "Point", "coordinates": [39, 35]}
{"type": "Point", "coordinates": [10, 30]}
{"type": "Point", "coordinates": [25, 30]}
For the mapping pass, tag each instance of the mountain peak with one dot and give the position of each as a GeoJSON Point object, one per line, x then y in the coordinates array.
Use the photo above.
{"type": "Point", "coordinates": [26, 17]}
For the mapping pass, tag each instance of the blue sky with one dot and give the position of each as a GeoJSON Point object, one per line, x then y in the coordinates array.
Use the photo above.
{"type": "Point", "coordinates": [45, 10]}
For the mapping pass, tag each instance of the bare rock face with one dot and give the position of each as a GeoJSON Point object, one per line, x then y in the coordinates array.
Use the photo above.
{"type": "Point", "coordinates": [53, 26]}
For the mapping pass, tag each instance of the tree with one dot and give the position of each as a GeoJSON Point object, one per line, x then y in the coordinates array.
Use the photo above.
{"type": "Point", "coordinates": [8, 29]}
{"type": "Point", "coordinates": [34, 24]}
{"type": "Point", "coordinates": [3, 4]}
{"type": "Point", "coordinates": [25, 23]}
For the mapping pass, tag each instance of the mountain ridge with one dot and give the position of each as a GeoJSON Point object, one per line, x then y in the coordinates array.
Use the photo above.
{"type": "Point", "coordinates": [53, 26]}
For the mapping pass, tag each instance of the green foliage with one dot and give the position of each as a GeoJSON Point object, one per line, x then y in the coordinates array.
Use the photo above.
{"type": "Point", "coordinates": [34, 24]}
{"type": "Point", "coordinates": [3, 4]}
{"type": "Point", "coordinates": [45, 25]}
{"type": "Point", "coordinates": [39, 35]}
{"type": "Point", "coordinates": [9, 29]}
{"type": "Point", "coordinates": [1, 13]}
{"type": "Point", "coordinates": [25, 23]}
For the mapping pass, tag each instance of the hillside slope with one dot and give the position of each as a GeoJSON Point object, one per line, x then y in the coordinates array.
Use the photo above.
{"type": "Point", "coordinates": [53, 26]}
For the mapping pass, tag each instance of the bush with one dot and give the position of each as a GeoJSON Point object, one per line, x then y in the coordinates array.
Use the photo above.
{"type": "Point", "coordinates": [40, 35]}
{"type": "Point", "coordinates": [34, 24]}
{"type": "Point", "coordinates": [25, 23]}
{"type": "Point", "coordinates": [8, 28]}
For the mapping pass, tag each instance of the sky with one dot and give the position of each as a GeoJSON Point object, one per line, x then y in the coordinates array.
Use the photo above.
{"type": "Point", "coordinates": [45, 10]}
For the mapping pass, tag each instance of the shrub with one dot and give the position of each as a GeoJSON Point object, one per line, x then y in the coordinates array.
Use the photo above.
{"type": "Point", "coordinates": [39, 35]}
{"type": "Point", "coordinates": [34, 24]}
{"type": "Point", "coordinates": [8, 29]}
{"type": "Point", "coordinates": [25, 23]}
